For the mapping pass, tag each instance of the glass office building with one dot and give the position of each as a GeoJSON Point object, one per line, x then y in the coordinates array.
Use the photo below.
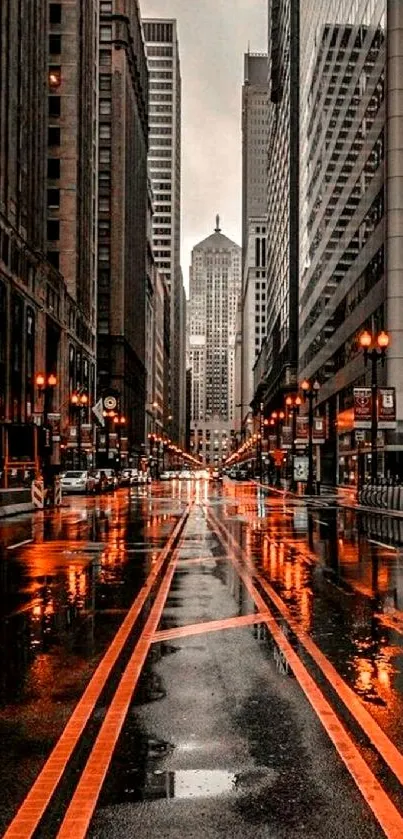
{"type": "Point", "coordinates": [346, 236]}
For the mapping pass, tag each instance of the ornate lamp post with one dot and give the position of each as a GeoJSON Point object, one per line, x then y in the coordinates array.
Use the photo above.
{"type": "Point", "coordinates": [119, 422]}
{"type": "Point", "coordinates": [46, 384]}
{"type": "Point", "coordinates": [293, 404]}
{"type": "Point", "coordinates": [310, 391]}
{"type": "Point", "coordinates": [277, 419]}
{"type": "Point", "coordinates": [79, 402]}
{"type": "Point", "coordinates": [374, 347]}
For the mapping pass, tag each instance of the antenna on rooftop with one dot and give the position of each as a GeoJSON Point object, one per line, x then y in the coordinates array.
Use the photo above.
{"type": "Point", "coordinates": [217, 224]}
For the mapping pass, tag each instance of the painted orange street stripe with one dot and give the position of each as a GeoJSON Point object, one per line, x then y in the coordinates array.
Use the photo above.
{"type": "Point", "coordinates": [208, 626]}
{"type": "Point", "coordinates": [34, 805]}
{"type": "Point", "coordinates": [375, 796]}
{"type": "Point", "coordinates": [388, 751]}
{"type": "Point", "coordinates": [82, 805]}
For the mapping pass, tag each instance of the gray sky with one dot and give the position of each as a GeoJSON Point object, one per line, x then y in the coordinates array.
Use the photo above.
{"type": "Point", "coordinates": [213, 36]}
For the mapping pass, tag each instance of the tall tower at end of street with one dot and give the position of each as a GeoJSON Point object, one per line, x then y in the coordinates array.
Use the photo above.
{"type": "Point", "coordinates": [215, 286]}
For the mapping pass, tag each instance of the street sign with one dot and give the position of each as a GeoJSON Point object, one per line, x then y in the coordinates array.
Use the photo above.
{"type": "Point", "coordinates": [301, 465]}
{"type": "Point", "coordinates": [98, 410]}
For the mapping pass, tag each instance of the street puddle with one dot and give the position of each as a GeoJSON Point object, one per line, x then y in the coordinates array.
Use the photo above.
{"type": "Point", "coordinates": [190, 783]}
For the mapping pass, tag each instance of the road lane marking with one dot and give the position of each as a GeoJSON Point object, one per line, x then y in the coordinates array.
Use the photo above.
{"type": "Point", "coordinates": [19, 544]}
{"type": "Point", "coordinates": [34, 805]}
{"type": "Point", "coordinates": [207, 626]}
{"type": "Point", "coordinates": [377, 799]}
{"type": "Point", "coordinates": [82, 805]}
{"type": "Point", "coordinates": [388, 751]}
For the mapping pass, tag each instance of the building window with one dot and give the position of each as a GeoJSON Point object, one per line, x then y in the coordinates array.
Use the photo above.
{"type": "Point", "coordinates": [53, 197]}
{"type": "Point", "coordinates": [53, 135]}
{"type": "Point", "coordinates": [105, 131]}
{"type": "Point", "coordinates": [105, 34]}
{"type": "Point", "coordinates": [105, 107]}
{"type": "Point", "coordinates": [106, 7]}
{"type": "Point", "coordinates": [104, 155]}
{"type": "Point", "coordinates": [105, 82]}
{"type": "Point", "coordinates": [54, 76]}
{"type": "Point", "coordinates": [54, 259]}
{"type": "Point", "coordinates": [53, 168]}
{"type": "Point", "coordinates": [103, 204]}
{"type": "Point", "coordinates": [55, 44]}
{"type": "Point", "coordinates": [54, 106]}
{"type": "Point", "coordinates": [53, 230]}
{"type": "Point", "coordinates": [104, 58]}
{"type": "Point", "coordinates": [55, 13]}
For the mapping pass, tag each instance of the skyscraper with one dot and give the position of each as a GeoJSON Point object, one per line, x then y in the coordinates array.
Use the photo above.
{"type": "Point", "coordinates": [280, 348]}
{"type": "Point", "coordinates": [350, 218]}
{"type": "Point", "coordinates": [48, 68]}
{"type": "Point", "coordinates": [255, 123]}
{"type": "Point", "coordinates": [165, 171]}
{"type": "Point", "coordinates": [122, 213]}
{"type": "Point", "coordinates": [215, 286]}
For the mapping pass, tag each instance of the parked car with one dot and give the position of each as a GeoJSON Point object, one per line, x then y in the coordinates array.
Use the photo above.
{"type": "Point", "coordinates": [112, 482]}
{"type": "Point", "coordinates": [128, 477]}
{"type": "Point", "coordinates": [78, 481]}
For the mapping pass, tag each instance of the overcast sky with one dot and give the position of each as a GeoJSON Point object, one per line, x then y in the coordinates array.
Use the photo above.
{"type": "Point", "coordinates": [213, 37]}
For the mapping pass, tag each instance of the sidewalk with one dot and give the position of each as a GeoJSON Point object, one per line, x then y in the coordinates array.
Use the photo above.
{"type": "Point", "coordinates": [341, 496]}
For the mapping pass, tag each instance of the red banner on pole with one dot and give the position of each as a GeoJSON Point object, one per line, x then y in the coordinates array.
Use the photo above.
{"type": "Point", "coordinates": [362, 407]}
{"type": "Point", "coordinates": [302, 431]}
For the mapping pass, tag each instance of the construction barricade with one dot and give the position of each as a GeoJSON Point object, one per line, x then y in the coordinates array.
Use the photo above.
{"type": "Point", "coordinates": [37, 493]}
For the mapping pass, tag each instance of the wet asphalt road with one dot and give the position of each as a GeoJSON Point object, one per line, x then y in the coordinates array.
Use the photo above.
{"type": "Point", "coordinates": [220, 740]}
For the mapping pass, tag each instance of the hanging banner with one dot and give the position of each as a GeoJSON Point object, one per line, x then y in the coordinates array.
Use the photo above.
{"type": "Point", "coordinates": [86, 436]}
{"type": "Point", "coordinates": [319, 430]}
{"type": "Point", "coordinates": [362, 407]}
{"type": "Point", "coordinates": [386, 407]}
{"type": "Point", "coordinates": [286, 438]}
{"type": "Point", "coordinates": [302, 431]}
{"type": "Point", "coordinates": [54, 425]}
{"type": "Point", "coordinates": [72, 437]}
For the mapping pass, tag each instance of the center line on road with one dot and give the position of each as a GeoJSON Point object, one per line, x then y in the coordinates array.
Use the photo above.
{"type": "Point", "coordinates": [82, 805]}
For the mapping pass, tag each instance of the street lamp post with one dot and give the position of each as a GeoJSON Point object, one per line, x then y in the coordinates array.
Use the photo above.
{"type": "Point", "coordinates": [374, 347]}
{"type": "Point", "coordinates": [46, 384]}
{"type": "Point", "coordinates": [293, 405]}
{"type": "Point", "coordinates": [119, 422]}
{"type": "Point", "coordinates": [310, 391]}
{"type": "Point", "coordinates": [277, 418]}
{"type": "Point", "coordinates": [79, 402]}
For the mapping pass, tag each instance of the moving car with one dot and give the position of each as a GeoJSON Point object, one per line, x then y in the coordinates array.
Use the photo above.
{"type": "Point", "coordinates": [215, 475]}
{"type": "Point", "coordinates": [78, 481]}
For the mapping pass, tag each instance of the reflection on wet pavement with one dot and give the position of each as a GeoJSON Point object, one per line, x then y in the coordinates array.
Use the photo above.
{"type": "Point", "coordinates": [69, 577]}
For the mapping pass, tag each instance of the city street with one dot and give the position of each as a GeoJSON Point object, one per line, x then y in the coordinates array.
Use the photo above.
{"type": "Point", "coordinates": [245, 658]}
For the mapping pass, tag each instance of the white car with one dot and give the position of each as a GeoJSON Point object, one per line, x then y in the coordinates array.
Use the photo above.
{"type": "Point", "coordinates": [78, 481]}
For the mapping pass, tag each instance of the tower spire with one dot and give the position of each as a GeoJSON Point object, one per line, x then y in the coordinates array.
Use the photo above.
{"type": "Point", "coordinates": [217, 224]}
